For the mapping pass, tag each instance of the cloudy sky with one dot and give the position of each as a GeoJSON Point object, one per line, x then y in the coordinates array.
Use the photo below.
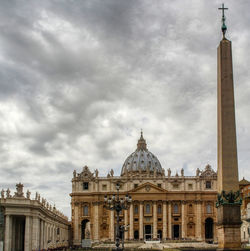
{"type": "Point", "coordinates": [79, 79]}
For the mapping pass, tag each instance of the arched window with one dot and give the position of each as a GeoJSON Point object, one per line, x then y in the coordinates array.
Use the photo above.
{"type": "Point", "coordinates": [147, 209]}
{"type": "Point", "coordinates": [85, 210]}
{"type": "Point", "coordinates": [136, 209]}
{"type": "Point", "coordinates": [209, 209]}
{"type": "Point", "coordinates": [176, 209]}
{"type": "Point", "coordinates": [159, 209]}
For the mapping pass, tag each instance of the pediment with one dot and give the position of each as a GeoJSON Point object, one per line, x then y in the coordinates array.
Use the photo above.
{"type": "Point", "coordinates": [148, 188]}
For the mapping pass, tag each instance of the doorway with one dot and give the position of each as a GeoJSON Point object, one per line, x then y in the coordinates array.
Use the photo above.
{"type": "Point", "coordinates": [148, 232]}
{"type": "Point", "coordinates": [136, 235]}
{"type": "Point", "coordinates": [209, 223]}
{"type": "Point", "coordinates": [176, 232]}
{"type": "Point", "coordinates": [159, 234]}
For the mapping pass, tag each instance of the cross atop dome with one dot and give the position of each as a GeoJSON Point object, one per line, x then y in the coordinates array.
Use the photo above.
{"type": "Point", "coordinates": [141, 145]}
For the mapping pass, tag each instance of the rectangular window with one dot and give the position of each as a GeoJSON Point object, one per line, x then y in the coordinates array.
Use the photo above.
{"type": "Point", "coordinates": [85, 210]}
{"type": "Point", "coordinates": [190, 186]}
{"type": "Point", "coordinates": [209, 209]}
{"type": "Point", "coordinates": [159, 185]}
{"type": "Point", "coordinates": [176, 209]}
{"type": "Point", "coordinates": [159, 209]}
{"type": "Point", "coordinates": [136, 209]}
{"type": "Point", "coordinates": [135, 185]}
{"type": "Point", "coordinates": [147, 209]}
{"type": "Point", "coordinates": [208, 184]}
{"type": "Point", "coordinates": [85, 185]}
{"type": "Point", "coordinates": [104, 187]}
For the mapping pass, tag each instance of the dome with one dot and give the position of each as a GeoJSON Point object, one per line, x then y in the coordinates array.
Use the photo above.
{"type": "Point", "coordinates": [142, 160]}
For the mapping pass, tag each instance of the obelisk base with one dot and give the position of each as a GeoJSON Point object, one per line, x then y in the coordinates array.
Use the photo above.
{"type": "Point", "coordinates": [228, 227]}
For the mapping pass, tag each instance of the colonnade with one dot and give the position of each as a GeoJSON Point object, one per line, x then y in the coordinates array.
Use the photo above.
{"type": "Point", "coordinates": [38, 234]}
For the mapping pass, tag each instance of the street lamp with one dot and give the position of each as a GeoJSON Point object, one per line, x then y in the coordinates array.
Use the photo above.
{"type": "Point", "coordinates": [117, 204]}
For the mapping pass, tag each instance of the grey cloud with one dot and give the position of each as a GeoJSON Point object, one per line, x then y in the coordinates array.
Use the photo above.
{"type": "Point", "coordinates": [79, 79]}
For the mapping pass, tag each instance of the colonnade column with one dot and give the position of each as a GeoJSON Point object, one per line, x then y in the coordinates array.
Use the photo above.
{"type": "Point", "coordinates": [198, 220]}
{"type": "Point", "coordinates": [169, 220]}
{"type": "Point", "coordinates": [96, 221]}
{"type": "Point", "coordinates": [27, 239]}
{"type": "Point", "coordinates": [164, 220]}
{"type": "Point", "coordinates": [154, 220]}
{"type": "Point", "coordinates": [45, 239]}
{"type": "Point", "coordinates": [35, 232]}
{"type": "Point", "coordinates": [42, 234]}
{"type": "Point", "coordinates": [131, 222]}
{"type": "Point", "coordinates": [183, 220]}
{"type": "Point", "coordinates": [8, 235]}
{"type": "Point", "coordinates": [141, 221]}
{"type": "Point", "coordinates": [126, 223]}
{"type": "Point", "coordinates": [76, 225]}
{"type": "Point", "coordinates": [112, 229]}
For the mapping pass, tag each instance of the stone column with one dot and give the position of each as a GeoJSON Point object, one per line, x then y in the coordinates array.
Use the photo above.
{"type": "Point", "coordinates": [35, 233]}
{"type": "Point", "coordinates": [42, 234]}
{"type": "Point", "coordinates": [112, 225]}
{"type": "Point", "coordinates": [131, 221]}
{"type": "Point", "coordinates": [183, 220]}
{"type": "Point", "coordinates": [45, 239]}
{"type": "Point", "coordinates": [126, 223]}
{"type": "Point", "coordinates": [96, 221]}
{"type": "Point", "coordinates": [198, 221]}
{"type": "Point", "coordinates": [27, 238]}
{"type": "Point", "coordinates": [76, 225]}
{"type": "Point", "coordinates": [141, 222]}
{"type": "Point", "coordinates": [164, 221]}
{"type": "Point", "coordinates": [154, 220]}
{"type": "Point", "coordinates": [8, 233]}
{"type": "Point", "coordinates": [170, 220]}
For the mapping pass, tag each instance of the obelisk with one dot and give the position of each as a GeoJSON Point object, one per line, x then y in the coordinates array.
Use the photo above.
{"type": "Point", "coordinates": [228, 203]}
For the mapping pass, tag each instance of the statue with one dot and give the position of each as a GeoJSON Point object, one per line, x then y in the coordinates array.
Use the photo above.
{"type": "Point", "coordinates": [28, 194]}
{"type": "Point", "coordinates": [182, 172]}
{"type": "Point", "coordinates": [96, 173]}
{"type": "Point", "coordinates": [197, 172]}
{"type": "Point", "coordinates": [2, 194]}
{"type": "Point", "coordinates": [163, 172]}
{"type": "Point", "coordinates": [8, 193]}
{"type": "Point", "coordinates": [112, 172]}
{"type": "Point", "coordinates": [19, 190]}
{"type": "Point", "coordinates": [36, 196]}
{"type": "Point", "coordinates": [169, 172]}
{"type": "Point", "coordinates": [74, 174]}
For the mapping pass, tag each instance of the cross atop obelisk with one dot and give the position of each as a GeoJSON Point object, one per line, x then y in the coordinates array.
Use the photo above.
{"type": "Point", "coordinates": [223, 27]}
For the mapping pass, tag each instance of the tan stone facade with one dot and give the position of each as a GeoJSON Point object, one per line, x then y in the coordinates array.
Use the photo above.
{"type": "Point", "coordinates": [31, 224]}
{"type": "Point", "coordinates": [164, 206]}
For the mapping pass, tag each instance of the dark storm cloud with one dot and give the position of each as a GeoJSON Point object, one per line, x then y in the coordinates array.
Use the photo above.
{"type": "Point", "coordinates": [79, 79]}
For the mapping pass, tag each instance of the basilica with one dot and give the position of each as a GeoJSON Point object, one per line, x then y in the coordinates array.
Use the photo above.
{"type": "Point", "coordinates": [164, 206]}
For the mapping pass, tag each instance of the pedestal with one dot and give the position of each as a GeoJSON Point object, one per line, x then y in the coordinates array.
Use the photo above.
{"type": "Point", "coordinates": [228, 227]}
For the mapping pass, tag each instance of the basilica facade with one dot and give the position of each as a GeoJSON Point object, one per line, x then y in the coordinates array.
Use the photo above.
{"type": "Point", "coordinates": [164, 206]}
